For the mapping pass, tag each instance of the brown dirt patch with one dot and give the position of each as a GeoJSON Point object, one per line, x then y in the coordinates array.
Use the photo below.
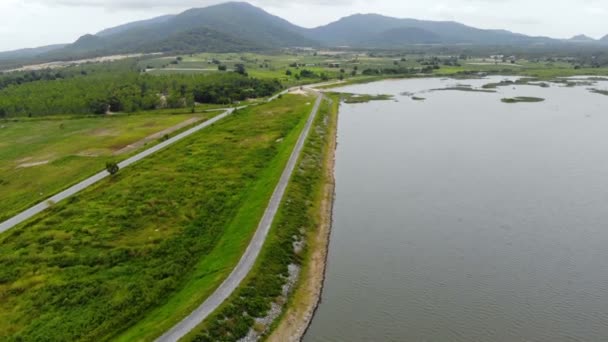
{"type": "Point", "coordinates": [32, 164]}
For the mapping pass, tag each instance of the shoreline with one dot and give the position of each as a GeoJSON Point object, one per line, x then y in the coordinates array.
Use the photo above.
{"type": "Point", "coordinates": [306, 298]}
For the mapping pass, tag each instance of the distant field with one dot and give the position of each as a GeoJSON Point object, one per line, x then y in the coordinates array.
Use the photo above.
{"type": "Point", "coordinates": [148, 245]}
{"type": "Point", "coordinates": [353, 64]}
{"type": "Point", "coordinates": [41, 157]}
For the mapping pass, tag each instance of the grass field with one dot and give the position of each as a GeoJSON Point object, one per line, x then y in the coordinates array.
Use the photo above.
{"type": "Point", "coordinates": [149, 244]}
{"type": "Point", "coordinates": [353, 63]}
{"type": "Point", "coordinates": [40, 157]}
{"type": "Point", "coordinates": [297, 220]}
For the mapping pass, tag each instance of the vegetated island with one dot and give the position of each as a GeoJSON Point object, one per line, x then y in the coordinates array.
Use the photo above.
{"type": "Point", "coordinates": [465, 88]}
{"type": "Point", "coordinates": [363, 98]}
{"type": "Point", "coordinates": [519, 99]}
{"type": "Point", "coordinates": [599, 91]}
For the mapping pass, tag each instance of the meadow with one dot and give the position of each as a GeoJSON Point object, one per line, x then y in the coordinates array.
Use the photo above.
{"type": "Point", "coordinates": [41, 157]}
{"type": "Point", "coordinates": [132, 255]}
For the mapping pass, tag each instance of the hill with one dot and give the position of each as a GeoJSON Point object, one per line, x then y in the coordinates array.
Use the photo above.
{"type": "Point", "coordinates": [604, 39]}
{"type": "Point", "coordinates": [219, 28]}
{"type": "Point", "coordinates": [135, 24]}
{"type": "Point", "coordinates": [359, 28]}
{"type": "Point", "coordinates": [239, 26]}
{"type": "Point", "coordinates": [581, 38]}
{"type": "Point", "coordinates": [29, 53]}
{"type": "Point", "coordinates": [399, 37]}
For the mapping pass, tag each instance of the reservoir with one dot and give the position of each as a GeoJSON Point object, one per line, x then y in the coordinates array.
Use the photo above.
{"type": "Point", "coordinates": [463, 218]}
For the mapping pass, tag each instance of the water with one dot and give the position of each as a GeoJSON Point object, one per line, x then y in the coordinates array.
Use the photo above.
{"type": "Point", "coordinates": [462, 218]}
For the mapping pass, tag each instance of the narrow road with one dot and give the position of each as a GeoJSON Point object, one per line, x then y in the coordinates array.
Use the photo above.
{"type": "Point", "coordinates": [40, 207]}
{"type": "Point", "coordinates": [253, 250]}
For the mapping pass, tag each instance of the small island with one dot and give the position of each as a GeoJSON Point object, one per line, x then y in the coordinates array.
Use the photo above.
{"type": "Point", "coordinates": [519, 99]}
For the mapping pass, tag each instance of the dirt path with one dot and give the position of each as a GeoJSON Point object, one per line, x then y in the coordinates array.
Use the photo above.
{"type": "Point", "coordinates": [307, 297]}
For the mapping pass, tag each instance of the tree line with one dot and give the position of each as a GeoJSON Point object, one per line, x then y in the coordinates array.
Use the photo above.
{"type": "Point", "coordinates": [127, 92]}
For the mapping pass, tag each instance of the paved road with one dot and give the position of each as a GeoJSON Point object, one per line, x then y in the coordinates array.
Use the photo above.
{"type": "Point", "coordinates": [38, 208]}
{"type": "Point", "coordinates": [253, 250]}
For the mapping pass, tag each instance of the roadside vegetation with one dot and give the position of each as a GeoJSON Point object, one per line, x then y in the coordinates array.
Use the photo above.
{"type": "Point", "coordinates": [288, 246]}
{"type": "Point", "coordinates": [149, 244]}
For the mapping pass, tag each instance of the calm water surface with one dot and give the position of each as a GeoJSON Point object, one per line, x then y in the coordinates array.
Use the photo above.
{"type": "Point", "coordinates": [461, 218]}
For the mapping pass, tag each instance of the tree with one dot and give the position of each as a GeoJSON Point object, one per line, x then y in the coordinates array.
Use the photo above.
{"type": "Point", "coordinates": [112, 168]}
{"type": "Point", "coordinates": [222, 67]}
{"type": "Point", "coordinates": [240, 69]}
{"type": "Point", "coordinates": [288, 72]}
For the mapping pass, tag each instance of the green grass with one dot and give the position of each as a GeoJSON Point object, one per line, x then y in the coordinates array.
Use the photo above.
{"type": "Point", "coordinates": [297, 219]}
{"type": "Point", "coordinates": [148, 245]}
{"type": "Point", "coordinates": [73, 148]}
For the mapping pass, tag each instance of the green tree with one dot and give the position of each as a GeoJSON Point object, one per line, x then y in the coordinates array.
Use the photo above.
{"type": "Point", "coordinates": [112, 168]}
{"type": "Point", "coordinates": [240, 69]}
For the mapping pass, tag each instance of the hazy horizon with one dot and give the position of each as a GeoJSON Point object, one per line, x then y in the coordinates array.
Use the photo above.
{"type": "Point", "coordinates": [63, 21]}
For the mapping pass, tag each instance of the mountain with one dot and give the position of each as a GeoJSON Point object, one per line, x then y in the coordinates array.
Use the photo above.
{"type": "Point", "coordinates": [359, 28]}
{"type": "Point", "coordinates": [604, 39]}
{"type": "Point", "coordinates": [135, 24]}
{"type": "Point", "coordinates": [239, 26]}
{"type": "Point", "coordinates": [400, 37]}
{"type": "Point", "coordinates": [29, 53]}
{"type": "Point", "coordinates": [232, 26]}
{"type": "Point", "coordinates": [581, 38]}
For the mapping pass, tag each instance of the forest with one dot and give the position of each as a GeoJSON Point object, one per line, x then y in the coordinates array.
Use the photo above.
{"type": "Point", "coordinates": [99, 91]}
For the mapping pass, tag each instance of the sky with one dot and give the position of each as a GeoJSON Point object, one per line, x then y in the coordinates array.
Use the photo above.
{"type": "Point", "coordinates": [32, 23]}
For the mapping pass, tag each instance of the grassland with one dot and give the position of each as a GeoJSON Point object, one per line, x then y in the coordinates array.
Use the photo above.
{"type": "Point", "coordinates": [148, 245]}
{"type": "Point", "coordinates": [40, 157]}
{"type": "Point", "coordinates": [275, 65]}
{"type": "Point", "coordinates": [298, 220]}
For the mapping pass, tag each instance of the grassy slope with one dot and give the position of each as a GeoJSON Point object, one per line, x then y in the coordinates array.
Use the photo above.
{"type": "Point", "coordinates": [74, 147]}
{"type": "Point", "coordinates": [171, 228]}
{"type": "Point", "coordinates": [305, 295]}
{"type": "Point", "coordinates": [216, 266]}
{"type": "Point", "coordinates": [298, 218]}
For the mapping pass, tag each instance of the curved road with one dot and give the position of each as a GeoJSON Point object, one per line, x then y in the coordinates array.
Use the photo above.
{"type": "Point", "coordinates": [40, 207]}
{"type": "Point", "coordinates": [253, 250]}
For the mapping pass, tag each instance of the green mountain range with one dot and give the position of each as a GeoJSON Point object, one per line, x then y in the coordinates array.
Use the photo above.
{"type": "Point", "coordinates": [239, 26]}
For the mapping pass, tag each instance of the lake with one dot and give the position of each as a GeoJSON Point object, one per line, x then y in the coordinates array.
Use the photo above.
{"type": "Point", "coordinates": [463, 218]}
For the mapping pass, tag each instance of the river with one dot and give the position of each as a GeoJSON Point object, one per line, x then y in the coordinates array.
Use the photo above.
{"type": "Point", "coordinates": [463, 218]}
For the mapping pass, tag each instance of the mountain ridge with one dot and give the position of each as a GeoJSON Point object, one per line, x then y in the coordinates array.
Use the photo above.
{"type": "Point", "coordinates": [244, 27]}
